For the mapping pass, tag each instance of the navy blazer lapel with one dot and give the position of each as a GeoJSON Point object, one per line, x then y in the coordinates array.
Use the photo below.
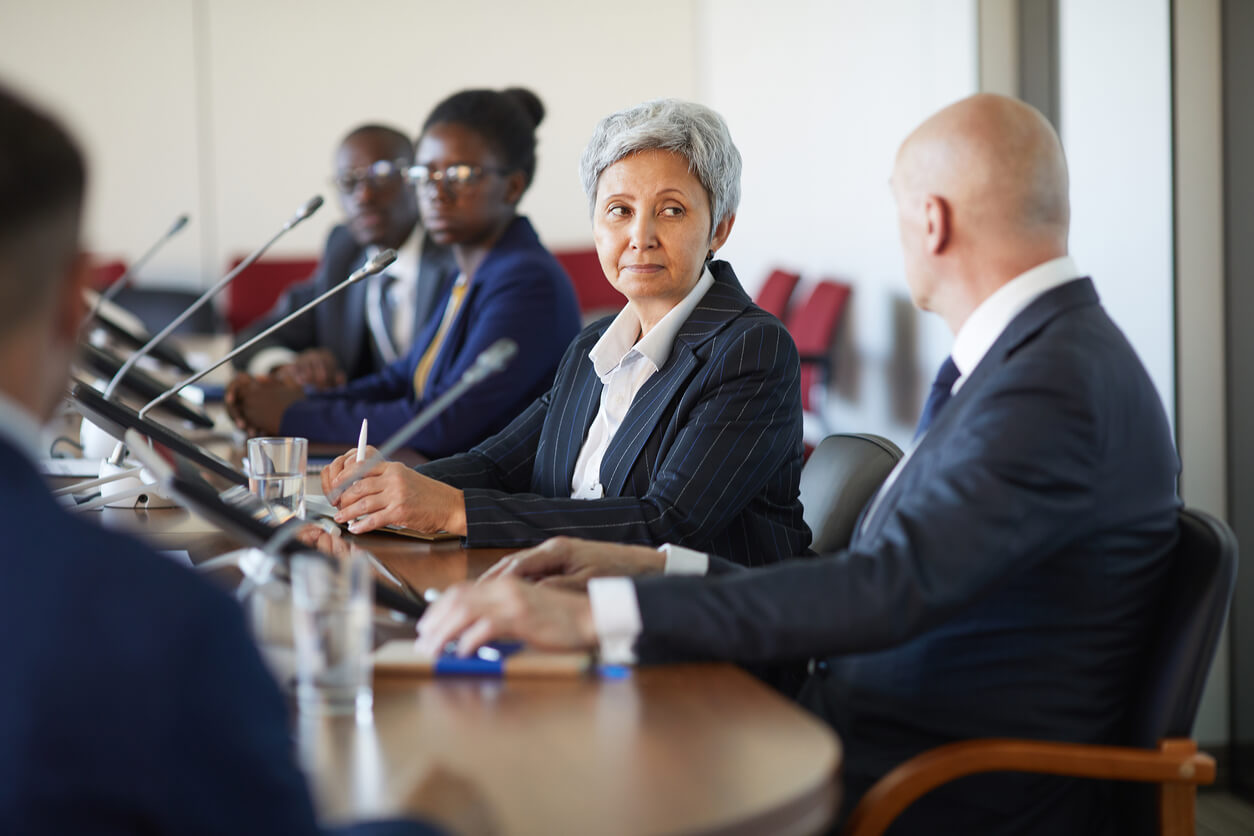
{"type": "Point", "coordinates": [1022, 328]}
{"type": "Point", "coordinates": [519, 235]}
{"type": "Point", "coordinates": [642, 416]}
{"type": "Point", "coordinates": [580, 404]}
{"type": "Point", "coordinates": [723, 302]}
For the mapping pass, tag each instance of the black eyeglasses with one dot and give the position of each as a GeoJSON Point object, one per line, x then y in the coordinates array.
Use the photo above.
{"type": "Point", "coordinates": [453, 176]}
{"type": "Point", "coordinates": [381, 174]}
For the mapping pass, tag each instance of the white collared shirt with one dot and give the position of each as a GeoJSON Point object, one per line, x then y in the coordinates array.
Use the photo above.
{"type": "Point", "coordinates": [615, 609]}
{"type": "Point", "coordinates": [982, 328]}
{"type": "Point", "coordinates": [20, 428]}
{"type": "Point", "coordinates": [624, 364]}
{"type": "Point", "coordinates": [404, 297]}
{"type": "Point", "coordinates": [994, 314]}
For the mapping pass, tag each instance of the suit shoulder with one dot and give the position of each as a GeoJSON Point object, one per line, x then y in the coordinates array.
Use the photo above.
{"type": "Point", "coordinates": [111, 570]}
{"type": "Point", "coordinates": [526, 264]}
{"type": "Point", "coordinates": [339, 238]}
{"type": "Point", "coordinates": [754, 327]}
{"type": "Point", "coordinates": [1085, 344]}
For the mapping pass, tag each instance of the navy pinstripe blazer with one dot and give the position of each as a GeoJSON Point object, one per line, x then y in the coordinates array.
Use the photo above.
{"type": "Point", "coordinates": [708, 455]}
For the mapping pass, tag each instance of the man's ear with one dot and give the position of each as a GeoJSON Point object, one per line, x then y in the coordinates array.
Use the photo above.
{"type": "Point", "coordinates": [724, 228]}
{"type": "Point", "coordinates": [71, 307]}
{"type": "Point", "coordinates": [937, 223]}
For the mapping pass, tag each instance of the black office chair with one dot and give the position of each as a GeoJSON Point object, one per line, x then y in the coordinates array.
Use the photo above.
{"type": "Point", "coordinates": [156, 307]}
{"type": "Point", "coordinates": [840, 477]}
{"type": "Point", "coordinates": [1198, 590]}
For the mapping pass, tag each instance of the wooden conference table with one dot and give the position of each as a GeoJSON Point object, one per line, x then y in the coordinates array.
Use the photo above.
{"type": "Point", "coordinates": [671, 749]}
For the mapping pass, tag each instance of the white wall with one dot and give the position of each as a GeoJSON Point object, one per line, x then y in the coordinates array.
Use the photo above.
{"type": "Point", "coordinates": [818, 96]}
{"type": "Point", "coordinates": [232, 109]}
{"type": "Point", "coordinates": [1116, 127]}
{"type": "Point", "coordinates": [122, 75]}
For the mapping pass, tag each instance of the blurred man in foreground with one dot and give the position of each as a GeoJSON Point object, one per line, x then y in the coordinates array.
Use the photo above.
{"type": "Point", "coordinates": [135, 701]}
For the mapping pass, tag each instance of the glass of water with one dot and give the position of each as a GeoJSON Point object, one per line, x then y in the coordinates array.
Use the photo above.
{"type": "Point", "coordinates": [332, 600]}
{"type": "Point", "coordinates": [276, 473]}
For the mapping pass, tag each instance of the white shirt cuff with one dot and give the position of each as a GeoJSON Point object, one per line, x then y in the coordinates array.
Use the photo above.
{"type": "Point", "coordinates": [682, 561]}
{"type": "Point", "coordinates": [616, 616]}
{"type": "Point", "coordinates": [266, 359]}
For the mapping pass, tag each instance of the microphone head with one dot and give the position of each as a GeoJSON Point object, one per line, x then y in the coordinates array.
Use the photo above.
{"type": "Point", "coordinates": [179, 222]}
{"type": "Point", "coordinates": [497, 356]}
{"type": "Point", "coordinates": [307, 208]}
{"type": "Point", "coordinates": [381, 259]}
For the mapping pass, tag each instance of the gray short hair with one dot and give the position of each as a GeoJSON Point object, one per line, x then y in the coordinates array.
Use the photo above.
{"type": "Point", "coordinates": [689, 129]}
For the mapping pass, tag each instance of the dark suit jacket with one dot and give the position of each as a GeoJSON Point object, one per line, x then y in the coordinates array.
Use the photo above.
{"type": "Point", "coordinates": [520, 292]}
{"type": "Point", "coordinates": [1004, 586]}
{"type": "Point", "coordinates": [708, 455]}
{"type": "Point", "coordinates": [339, 324]}
{"type": "Point", "coordinates": [134, 699]}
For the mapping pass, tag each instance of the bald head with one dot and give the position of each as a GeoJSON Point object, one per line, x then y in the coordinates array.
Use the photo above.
{"type": "Point", "coordinates": [981, 190]}
{"type": "Point", "coordinates": [996, 161]}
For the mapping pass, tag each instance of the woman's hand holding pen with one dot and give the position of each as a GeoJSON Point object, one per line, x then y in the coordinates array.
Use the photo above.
{"type": "Point", "coordinates": [393, 494]}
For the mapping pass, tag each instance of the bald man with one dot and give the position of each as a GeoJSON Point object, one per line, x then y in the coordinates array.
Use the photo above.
{"type": "Point", "coordinates": [1003, 581]}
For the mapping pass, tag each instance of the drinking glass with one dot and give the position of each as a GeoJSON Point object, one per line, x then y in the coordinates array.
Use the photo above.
{"type": "Point", "coordinates": [332, 600]}
{"type": "Point", "coordinates": [276, 473]}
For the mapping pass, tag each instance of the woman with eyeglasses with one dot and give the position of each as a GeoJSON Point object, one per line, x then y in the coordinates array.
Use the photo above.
{"type": "Point", "coordinates": [677, 422]}
{"type": "Point", "coordinates": [473, 163]}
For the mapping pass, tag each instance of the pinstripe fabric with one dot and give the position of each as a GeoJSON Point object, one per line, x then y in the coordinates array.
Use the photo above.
{"type": "Point", "coordinates": [708, 455]}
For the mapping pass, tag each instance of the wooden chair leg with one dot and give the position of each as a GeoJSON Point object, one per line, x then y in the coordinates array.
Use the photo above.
{"type": "Point", "coordinates": [1177, 803]}
{"type": "Point", "coordinates": [1177, 809]}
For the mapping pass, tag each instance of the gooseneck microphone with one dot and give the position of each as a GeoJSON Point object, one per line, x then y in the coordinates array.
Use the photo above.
{"type": "Point", "coordinates": [491, 360]}
{"type": "Point", "coordinates": [125, 279]}
{"type": "Point", "coordinates": [380, 261]}
{"type": "Point", "coordinates": [310, 206]}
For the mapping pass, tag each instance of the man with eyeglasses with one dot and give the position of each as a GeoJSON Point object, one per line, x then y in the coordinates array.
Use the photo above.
{"type": "Point", "coordinates": [369, 325]}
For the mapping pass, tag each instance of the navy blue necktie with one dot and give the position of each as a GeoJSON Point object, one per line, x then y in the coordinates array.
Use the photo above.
{"type": "Point", "coordinates": [939, 396]}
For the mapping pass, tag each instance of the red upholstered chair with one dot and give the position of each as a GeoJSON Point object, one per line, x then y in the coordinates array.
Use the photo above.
{"type": "Point", "coordinates": [776, 291]}
{"type": "Point", "coordinates": [813, 325]}
{"type": "Point", "coordinates": [257, 289]}
{"type": "Point", "coordinates": [105, 273]}
{"type": "Point", "coordinates": [595, 294]}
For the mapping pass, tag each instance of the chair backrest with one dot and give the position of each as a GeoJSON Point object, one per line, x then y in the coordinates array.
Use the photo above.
{"type": "Point", "coordinates": [595, 294]}
{"type": "Point", "coordinates": [838, 480]}
{"type": "Point", "coordinates": [1198, 590]}
{"type": "Point", "coordinates": [156, 307]}
{"type": "Point", "coordinates": [776, 291]}
{"type": "Point", "coordinates": [255, 290]}
{"type": "Point", "coordinates": [812, 326]}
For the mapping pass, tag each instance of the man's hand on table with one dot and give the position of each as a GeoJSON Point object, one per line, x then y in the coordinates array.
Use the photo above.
{"type": "Point", "coordinates": [257, 404]}
{"type": "Point", "coordinates": [316, 367]}
{"type": "Point", "coordinates": [506, 608]}
{"type": "Point", "coordinates": [393, 494]}
{"type": "Point", "coordinates": [570, 563]}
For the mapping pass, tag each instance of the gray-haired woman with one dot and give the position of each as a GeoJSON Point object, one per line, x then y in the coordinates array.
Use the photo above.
{"type": "Point", "coordinates": [678, 421]}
